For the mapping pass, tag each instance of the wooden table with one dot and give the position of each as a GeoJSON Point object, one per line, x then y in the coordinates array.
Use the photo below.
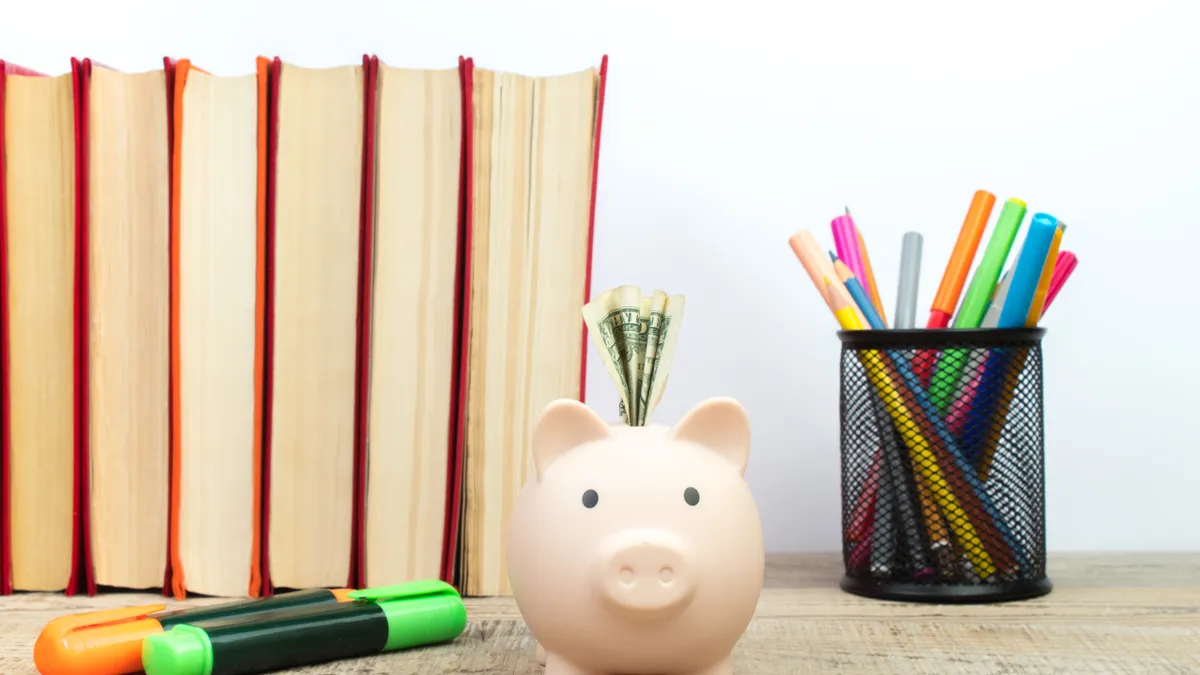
{"type": "Point", "coordinates": [1107, 614]}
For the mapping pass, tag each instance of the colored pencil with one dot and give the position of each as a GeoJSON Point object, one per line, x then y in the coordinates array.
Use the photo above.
{"type": "Point", "coordinates": [858, 294]}
{"type": "Point", "coordinates": [872, 288]}
{"type": "Point", "coordinates": [817, 265]}
{"type": "Point", "coordinates": [845, 240]}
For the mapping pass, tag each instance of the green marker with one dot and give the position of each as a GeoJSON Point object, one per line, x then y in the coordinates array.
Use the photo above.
{"type": "Point", "coordinates": [375, 620]}
{"type": "Point", "coordinates": [950, 366]}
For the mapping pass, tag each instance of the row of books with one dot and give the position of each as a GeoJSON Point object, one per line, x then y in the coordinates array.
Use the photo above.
{"type": "Point", "coordinates": [287, 329]}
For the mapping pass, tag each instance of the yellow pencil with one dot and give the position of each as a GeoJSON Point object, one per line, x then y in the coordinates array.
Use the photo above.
{"type": "Point", "coordinates": [1039, 295]}
{"type": "Point", "coordinates": [842, 306]}
{"type": "Point", "coordinates": [918, 446]}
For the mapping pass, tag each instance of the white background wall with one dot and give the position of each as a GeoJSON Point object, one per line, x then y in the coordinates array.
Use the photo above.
{"type": "Point", "coordinates": [730, 125]}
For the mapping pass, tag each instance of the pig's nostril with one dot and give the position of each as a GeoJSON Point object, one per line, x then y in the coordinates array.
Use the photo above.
{"type": "Point", "coordinates": [666, 574]}
{"type": "Point", "coordinates": [626, 576]}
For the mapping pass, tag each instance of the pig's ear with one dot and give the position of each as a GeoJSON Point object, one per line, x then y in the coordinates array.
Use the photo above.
{"type": "Point", "coordinates": [564, 424]}
{"type": "Point", "coordinates": [720, 424]}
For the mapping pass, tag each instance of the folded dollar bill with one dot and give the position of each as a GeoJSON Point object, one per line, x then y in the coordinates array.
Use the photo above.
{"type": "Point", "coordinates": [635, 335]}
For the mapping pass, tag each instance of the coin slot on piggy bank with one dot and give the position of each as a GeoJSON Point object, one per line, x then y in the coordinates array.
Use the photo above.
{"type": "Point", "coordinates": [637, 550]}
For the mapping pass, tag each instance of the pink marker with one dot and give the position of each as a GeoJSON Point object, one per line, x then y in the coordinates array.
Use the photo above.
{"type": "Point", "coordinates": [1062, 271]}
{"type": "Point", "coordinates": [845, 240]}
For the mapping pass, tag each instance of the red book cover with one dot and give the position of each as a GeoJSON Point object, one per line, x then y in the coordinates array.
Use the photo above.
{"type": "Point", "coordinates": [81, 71]}
{"type": "Point", "coordinates": [366, 257]}
{"type": "Point", "coordinates": [454, 496]}
{"type": "Point", "coordinates": [5, 522]}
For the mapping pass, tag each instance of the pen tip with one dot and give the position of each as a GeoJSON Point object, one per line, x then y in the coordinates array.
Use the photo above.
{"type": "Point", "coordinates": [833, 256]}
{"type": "Point", "coordinates": [847, 209]}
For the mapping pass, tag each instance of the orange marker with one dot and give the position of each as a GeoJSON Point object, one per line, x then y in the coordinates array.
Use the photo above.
{"type": "Point", "coordinates": [960, 259]}
{"type": "Point", "coordinates": [955, 276]}
{"type": "Point", "coordinates": [109, 642]}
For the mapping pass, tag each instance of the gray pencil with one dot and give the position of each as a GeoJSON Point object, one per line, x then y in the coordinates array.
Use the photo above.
{"type": "Point", "coordinates": [910, 276]}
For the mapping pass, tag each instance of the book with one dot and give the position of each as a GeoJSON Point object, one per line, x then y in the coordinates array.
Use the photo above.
{"type": "Point", "coordinates": [533, 148]}
{"type": "Point", "coordinates": [412, 302]}
{"type": "Point", "coordinates": [218, 173]}
{"type": "Point", "coordinates": [37, 267]}
{"type": "Point", "coordinates": [314, 221]}
{"type": "Point", "coordinates": [123, 153]}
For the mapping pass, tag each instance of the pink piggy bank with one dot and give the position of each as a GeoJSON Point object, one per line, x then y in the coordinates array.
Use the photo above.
{"type": "Point", "coordinates": [637, 550]}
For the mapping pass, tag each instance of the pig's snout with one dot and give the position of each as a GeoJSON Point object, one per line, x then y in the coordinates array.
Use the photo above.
{"type": "Point", "coordinates": [645, 574]}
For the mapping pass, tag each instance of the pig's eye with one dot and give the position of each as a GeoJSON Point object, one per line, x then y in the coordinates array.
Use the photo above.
{"type": "Point", "coordinates": [691, 496]}
{"type": "Point", "coordinates": [590, 498]}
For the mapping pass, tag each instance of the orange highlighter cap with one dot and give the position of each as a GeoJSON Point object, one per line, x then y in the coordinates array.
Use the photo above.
{"type": "Point", "coordinates": [108, 642]}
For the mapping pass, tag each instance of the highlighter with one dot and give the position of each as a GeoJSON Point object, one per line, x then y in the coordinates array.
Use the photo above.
{"type": "Point", "coordinates": [376, 620]}
{"type": "Point", "coordinates": [109, 642]}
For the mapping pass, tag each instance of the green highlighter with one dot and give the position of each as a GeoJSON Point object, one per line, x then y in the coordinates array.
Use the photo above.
{"type": "Point", "coordinates": [950, 367]}
{"type": "Point", "coordinates": [375, 620]}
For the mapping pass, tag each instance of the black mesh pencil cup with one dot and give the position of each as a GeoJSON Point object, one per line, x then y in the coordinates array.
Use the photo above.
{"type": "Point", "coordinates": [943, 490]}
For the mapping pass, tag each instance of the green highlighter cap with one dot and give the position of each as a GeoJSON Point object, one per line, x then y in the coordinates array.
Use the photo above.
{"type": "Point", "coordinates": [183, 649]}
{"type": "Point", "coordinates": [418, 612]}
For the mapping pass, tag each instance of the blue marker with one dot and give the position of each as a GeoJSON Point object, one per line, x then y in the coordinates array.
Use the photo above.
{"type": "Point", "coordinates": [1028, 271]}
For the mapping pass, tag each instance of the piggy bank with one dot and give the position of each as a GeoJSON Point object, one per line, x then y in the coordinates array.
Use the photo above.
{"type": "Point", "coordinates": [637, 550]}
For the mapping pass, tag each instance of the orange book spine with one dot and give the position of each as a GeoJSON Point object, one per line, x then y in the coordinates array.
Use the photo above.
{"type": "Point", "coordinates": [263, 71]}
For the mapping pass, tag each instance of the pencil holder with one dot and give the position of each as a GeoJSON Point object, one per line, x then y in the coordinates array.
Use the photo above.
{"type": "Point", "coordinates": [943, 491]}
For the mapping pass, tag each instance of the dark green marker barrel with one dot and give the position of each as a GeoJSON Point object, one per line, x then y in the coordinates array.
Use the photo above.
{"type": "Point", "coordinates": [269, 642]}
{"type": "Point", "coordinates": [290, 639]}
{"type": "Point", "coordinates": [243, 608]}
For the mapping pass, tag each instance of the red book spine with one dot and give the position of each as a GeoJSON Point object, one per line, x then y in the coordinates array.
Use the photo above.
{"type": "Point", "coordinates": [462, 309]}
{"type": "Point", "coordinates": [169, 72]}
{"type": "Point", "coordinates": [587, 283]}
{"type": "Point", "coordinates": [268, 588]}
{"type": "Point", "coordinates": [363, 328]}
{"type": "Point", "coordinates": [81, 71]}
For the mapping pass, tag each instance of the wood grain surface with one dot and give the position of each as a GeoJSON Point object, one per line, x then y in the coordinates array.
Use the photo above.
{"type": "Point", "coordinates": [1108, 613]}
